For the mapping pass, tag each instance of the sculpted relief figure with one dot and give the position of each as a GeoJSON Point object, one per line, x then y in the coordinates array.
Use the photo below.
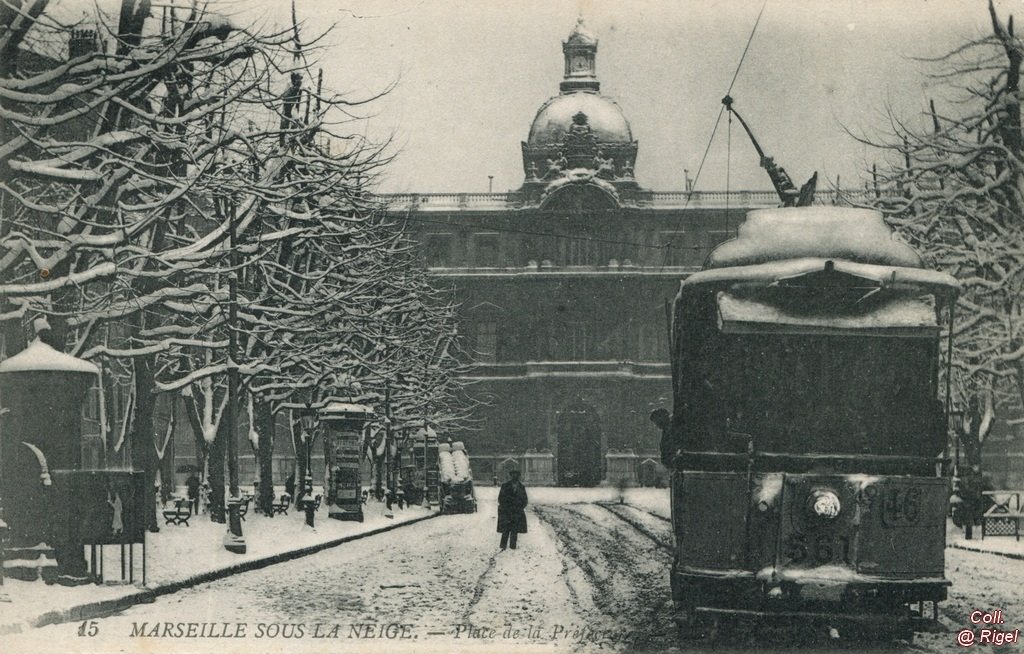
{"type": "Point", "coordinates": [556, 167]}
{"type": "Point", "coordinates": [627, 169]}
{"type": "Point", "coordinates": [605, 166]}
{"type": "Point", "coordinates": [579, 127]}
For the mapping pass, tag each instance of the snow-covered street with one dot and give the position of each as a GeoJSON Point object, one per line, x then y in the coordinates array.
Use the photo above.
{"type": "Point", "coordinates": [589, 576]}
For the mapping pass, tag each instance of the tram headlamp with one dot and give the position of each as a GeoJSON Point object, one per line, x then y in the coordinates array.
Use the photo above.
{"type": "Point", "coordinates": [824, 504]}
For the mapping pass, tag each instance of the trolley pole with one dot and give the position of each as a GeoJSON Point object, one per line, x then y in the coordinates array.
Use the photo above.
{"type": "Point", "coordinates": [234, 541]}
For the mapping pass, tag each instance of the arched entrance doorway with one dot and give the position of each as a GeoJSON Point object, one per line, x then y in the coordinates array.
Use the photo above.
{"type": "Point", "coordinates": [579, 446]}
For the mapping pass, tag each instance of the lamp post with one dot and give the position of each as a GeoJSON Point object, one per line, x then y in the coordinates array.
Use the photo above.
{"type": "Point", "coordinates": [308, 418]}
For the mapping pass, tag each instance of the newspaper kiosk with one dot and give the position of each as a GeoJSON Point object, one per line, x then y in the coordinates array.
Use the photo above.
{"type": "Point", "coordinates": [343, 435]}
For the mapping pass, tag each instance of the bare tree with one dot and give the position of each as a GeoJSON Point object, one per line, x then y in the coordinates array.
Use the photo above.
{"type": "Point", "coordinates": [188, 171]}
{"type": "Point", "coordinates": [956, 182]}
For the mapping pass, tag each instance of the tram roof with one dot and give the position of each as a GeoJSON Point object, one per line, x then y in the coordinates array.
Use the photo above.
{"type": "Point", "coordinates": [784, 233]}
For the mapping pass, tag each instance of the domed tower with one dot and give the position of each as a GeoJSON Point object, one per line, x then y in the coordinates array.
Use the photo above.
{"type": "Point", "coordinates": [580, 143]}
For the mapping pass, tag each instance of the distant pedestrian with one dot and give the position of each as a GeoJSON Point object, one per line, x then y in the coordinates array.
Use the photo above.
{"type": "Point", "coordinates": [192, 486]}
{"type": "Point", "coordinates": [511, 510]}
{"type": "Point", "coordinates": [289, 485]}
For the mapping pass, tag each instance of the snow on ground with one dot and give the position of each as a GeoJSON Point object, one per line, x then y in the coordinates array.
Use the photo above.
{"type": "Point", "coordinates": [177, 553]}
{"type": "Point", "coordinates": [980, 581]}
{"type": "Point", "coordinates": [587, 578]}
{"type": "Point", "coordinates": [1000, 544]}
{"type": "Point", "coordinates": [655, 500]}
{"type": "Point", "coordinates": [444, 578]}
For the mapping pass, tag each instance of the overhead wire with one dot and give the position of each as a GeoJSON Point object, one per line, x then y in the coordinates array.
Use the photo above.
{"type": "Point", "coordinates": [670, 242]}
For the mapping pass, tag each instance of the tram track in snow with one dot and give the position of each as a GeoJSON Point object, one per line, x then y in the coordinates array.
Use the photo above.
{"type": "Point", "coordinates": [619, 576]}
{"type": "Point", "coordinates": [620, 511]}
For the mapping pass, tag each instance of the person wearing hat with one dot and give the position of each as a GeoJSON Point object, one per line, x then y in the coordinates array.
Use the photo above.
{"type": "Point", "coordinates": [192, 486]}
{"type": "Point", "coordinates": [511, 510]}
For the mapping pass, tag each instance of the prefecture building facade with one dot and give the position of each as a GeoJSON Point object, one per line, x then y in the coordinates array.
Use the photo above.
{"type": "Point", "coordinates": [562, 286]}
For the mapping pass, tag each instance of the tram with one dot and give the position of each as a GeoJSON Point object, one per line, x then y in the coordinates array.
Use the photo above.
{"type": "Point", "coordinates": [806, 441]}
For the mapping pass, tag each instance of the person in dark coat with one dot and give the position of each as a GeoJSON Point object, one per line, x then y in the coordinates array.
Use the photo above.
{"type": "Point", "coordinates": [192, 485]}
{"type": "Point", "coordinates": [289, 485]}
{"type": "Point", "coordinates": [511, 510]}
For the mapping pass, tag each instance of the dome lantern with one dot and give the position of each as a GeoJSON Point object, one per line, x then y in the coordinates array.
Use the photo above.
{"type": "Point", "coordinates": [579, 138]}
{"type": "Point", "coordinates": [580, 51]}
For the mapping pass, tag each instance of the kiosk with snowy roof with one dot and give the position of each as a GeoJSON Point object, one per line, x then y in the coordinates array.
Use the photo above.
{"type": "Point", "coordinates": [343, 438]}
{"type": "Point", "coordinates": [41, 395]}
{"type": "Point", "coordinates": [808, 428]}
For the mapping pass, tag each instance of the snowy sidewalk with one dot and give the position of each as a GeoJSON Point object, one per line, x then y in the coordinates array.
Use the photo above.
{"type": "Point", "coordinates": [179, 557]}
{"type": "Point", "coordinates": [1007, 546]}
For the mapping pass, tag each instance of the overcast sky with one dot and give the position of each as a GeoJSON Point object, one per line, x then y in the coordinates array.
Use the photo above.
{"type": "Point", "coordinates": [471, 75]}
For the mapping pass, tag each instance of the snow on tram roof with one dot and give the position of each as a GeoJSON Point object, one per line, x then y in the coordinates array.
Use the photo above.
{"type": "Point", "coordinates": [852, 234]}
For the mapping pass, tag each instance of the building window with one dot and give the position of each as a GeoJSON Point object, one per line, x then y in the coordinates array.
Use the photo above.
{"type": "Point", "coordinates": [437, 250]}
{"type": "Point", "coordinates": [485, 250]}
{"type": "Point", "coordinates": [579, 341]}
{"type": "Point", "coordinates": [608, 343]}
{"type": "Point", "coordinates": [486, 341]}
{"type": "Point", "coordinates": [651, 343]}
{"type": "Point", "coordinates": [580, 252]}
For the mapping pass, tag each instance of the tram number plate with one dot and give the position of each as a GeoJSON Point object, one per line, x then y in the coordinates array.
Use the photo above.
{"type": "Point", "coordinates": [818, 549]}
{"type": "Point", "coordinates": [899, 506]}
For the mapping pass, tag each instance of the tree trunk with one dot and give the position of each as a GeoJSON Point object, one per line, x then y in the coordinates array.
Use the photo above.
{"type": "Point", "coordinates": [264, 423]}
{"type": "Point", "coordinates": [216, 473]}
{"type": "Point", "coordinates": [141, 436]}
{"type": "Point", "coordinates": [192, 410]}
{"type": "Point", "coordinates": [167, 464]}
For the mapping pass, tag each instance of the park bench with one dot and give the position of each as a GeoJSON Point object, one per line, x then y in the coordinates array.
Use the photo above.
{"type": "Point", "coordinates": [243, 507]}
{"type": "Point", "coordinates": [1004, 516]}
{"type": "Point", "coordinates": [281, 506]}
{"type": "Point", "coordinates": [180, 514]}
